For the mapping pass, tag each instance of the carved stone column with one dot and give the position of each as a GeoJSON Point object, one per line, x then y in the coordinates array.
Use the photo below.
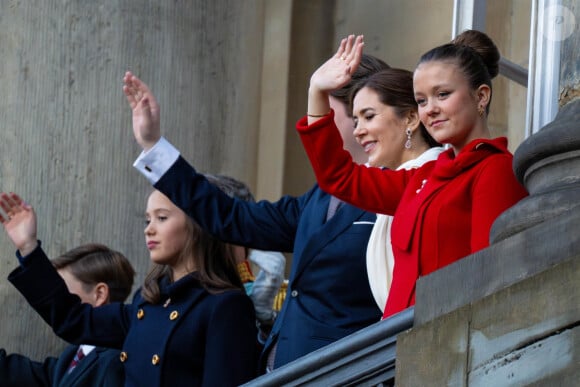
{"type": "Point", "coordinates": [548, 162]}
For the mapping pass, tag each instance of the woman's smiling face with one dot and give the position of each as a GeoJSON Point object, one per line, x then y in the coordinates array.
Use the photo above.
{"type": "Point", "coordinates": [378, 129]}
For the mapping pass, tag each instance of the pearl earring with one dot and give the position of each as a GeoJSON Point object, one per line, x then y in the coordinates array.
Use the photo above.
{"type": "Point", "coordinates": [408, 142]}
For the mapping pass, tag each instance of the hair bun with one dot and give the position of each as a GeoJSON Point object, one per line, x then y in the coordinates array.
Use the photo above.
{"type": "Point", "coordinates": [483, 46]}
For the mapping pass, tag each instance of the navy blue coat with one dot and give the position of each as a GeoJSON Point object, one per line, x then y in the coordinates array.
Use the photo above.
{"type": "Point", "coordinates": [328, 294]}
{"type": "Point", "coordinates": [100, 368]}
{"type": "Point", "coordinates": [197, 339]}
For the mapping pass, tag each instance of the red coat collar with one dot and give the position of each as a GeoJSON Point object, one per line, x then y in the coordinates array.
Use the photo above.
{"type": "Point", "coordinates": [448, 165]}
{"type": "Point", "coordinates": [432, 177]}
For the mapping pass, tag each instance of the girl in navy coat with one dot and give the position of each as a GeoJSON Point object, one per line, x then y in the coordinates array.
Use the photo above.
{"type": "Point", "coordinates": [190, 324]}
{"type": "Point", "coordinates": [328, 296]}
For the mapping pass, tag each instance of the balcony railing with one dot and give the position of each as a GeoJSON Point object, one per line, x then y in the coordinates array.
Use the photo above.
{"type": "Point", "coordinates": [365, 358]}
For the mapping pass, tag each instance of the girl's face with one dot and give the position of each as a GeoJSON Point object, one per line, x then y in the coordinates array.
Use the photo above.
{"type": "Point", "coordinates": [379, 130]}
{"type": "Point", "coordinates": [448, 106]}
{"type": "Point", "coordinates": [167, 232]}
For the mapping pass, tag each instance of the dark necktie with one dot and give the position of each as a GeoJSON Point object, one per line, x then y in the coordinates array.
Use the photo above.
{"type": "Point", "coordinates": [75, 361]}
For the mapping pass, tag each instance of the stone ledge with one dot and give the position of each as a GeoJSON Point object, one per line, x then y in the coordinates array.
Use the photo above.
{"type": "Point", "coordinates": [526, 333]}
{"type": "Point", "coordinates": [502, 264]}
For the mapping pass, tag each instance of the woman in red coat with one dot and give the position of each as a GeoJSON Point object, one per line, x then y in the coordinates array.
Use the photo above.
{"type": "Point", "coordinates": [443, 210]}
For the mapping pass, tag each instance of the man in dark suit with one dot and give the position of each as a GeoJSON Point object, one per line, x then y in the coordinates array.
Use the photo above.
{"type": "Point", "coordinates": [329, 295]}
{"type": "Point", "coordinates": [98, 275]}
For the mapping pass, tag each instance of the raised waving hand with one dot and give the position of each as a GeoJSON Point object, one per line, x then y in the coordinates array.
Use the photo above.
{"type": "Point", "coordinates": [332, 75]}
{"type": "Point", "coordinates": [19, 221]}
{"type": "Point", "coordinates": [146, 120]}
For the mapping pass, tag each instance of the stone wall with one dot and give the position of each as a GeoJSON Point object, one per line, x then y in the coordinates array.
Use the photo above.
{"type": "Point", "coordinates": [67, 144]}
{"type": "Point", "coordinates": [525, 334]}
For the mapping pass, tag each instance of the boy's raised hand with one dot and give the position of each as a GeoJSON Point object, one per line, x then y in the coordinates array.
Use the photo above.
{"type": "Point", "coordinates": [19, 221]}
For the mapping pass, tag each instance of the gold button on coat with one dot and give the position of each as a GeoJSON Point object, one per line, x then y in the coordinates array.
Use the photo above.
{"type": "Point", "coordinates": [174, 315]}
{"type": "Point", "coordinates": [140, 314]}
{"type": "Point", "coordinates": [155, 360]}
{"type": "Point", "coordinates": [123, 356]}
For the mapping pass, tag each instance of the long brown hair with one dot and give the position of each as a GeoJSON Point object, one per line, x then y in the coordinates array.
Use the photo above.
{"type": "Point", "coordinates": [212, 259]}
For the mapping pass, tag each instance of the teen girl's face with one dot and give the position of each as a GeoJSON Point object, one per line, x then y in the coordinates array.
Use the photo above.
{"type": "Point", "coordinates": [378, 130]}
{"type": "Point", "coordinates": [166, 233]}
{"type": "Point", "coordinates": [448, 107]}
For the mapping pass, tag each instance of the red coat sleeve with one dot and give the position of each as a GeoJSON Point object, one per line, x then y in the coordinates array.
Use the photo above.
{"type": "Point", "coordinates": [371, 189]}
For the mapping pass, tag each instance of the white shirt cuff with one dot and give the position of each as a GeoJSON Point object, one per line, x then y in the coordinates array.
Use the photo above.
{"type": "Point", "coordinates": [155, 162]}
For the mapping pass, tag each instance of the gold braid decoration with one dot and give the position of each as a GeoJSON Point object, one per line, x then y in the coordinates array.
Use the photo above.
{"type": "Point", "coordinates": [245, 272]}
{"type": "Point", "coordinates": [280, 297]}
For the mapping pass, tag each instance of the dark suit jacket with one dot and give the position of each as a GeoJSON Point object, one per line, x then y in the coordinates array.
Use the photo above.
{"type": "Point", "coordinates": [100, 368]}
{"type": "Point", "coordinates": [196, 339]}
{"type": "Point", "coordinates": [328, 294]}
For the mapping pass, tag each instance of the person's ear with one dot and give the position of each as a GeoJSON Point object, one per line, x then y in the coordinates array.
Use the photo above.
{"type": "Point", "coordinates": [412, 120]}
{"type": "Point", "coordinates": [483, 94]}
{"type": "Point", "coordinates": [101, 294]}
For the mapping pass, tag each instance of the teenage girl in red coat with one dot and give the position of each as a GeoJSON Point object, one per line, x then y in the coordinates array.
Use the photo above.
{"type": "Point", "coordinates": [443, 210]}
